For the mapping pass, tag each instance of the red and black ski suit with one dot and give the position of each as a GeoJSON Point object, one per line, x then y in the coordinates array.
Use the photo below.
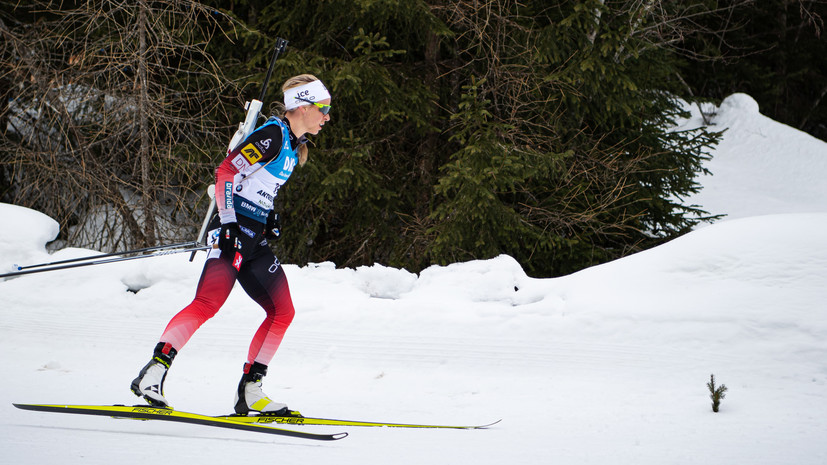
{"type": "Point", "coordinates": [246, 183]}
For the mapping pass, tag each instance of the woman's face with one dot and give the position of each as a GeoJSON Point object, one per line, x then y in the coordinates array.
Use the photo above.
{"type": "Point", "coordinates": [314, 118]}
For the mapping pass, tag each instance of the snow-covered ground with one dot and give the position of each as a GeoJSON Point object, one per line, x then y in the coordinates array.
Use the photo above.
{"type": "Point", "coordinates": [605, 366]}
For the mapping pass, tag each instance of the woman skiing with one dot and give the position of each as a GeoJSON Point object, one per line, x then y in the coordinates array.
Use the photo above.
{"type": "Point", "coordinates": [246, 183]}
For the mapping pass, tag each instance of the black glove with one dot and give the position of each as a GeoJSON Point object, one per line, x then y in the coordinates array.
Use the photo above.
{"type": "Point", "coordinates": [228, 240]}
{"type": "Point", "coordinates": [273, 228]}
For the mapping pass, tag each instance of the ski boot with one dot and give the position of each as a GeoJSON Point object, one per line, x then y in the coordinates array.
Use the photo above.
{"type": "Point", "coordinates": [150, 381]}
{"type": "Point", "coordinates": [250, 398]}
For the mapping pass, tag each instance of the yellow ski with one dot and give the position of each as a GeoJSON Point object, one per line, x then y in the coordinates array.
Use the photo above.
{"type": "Point", "coordinates": [167, 414]}
{"type": "Point", "coordinates": [301, 421]}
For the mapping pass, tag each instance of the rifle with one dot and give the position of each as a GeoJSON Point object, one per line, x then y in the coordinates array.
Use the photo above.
{"type": "Point", "coordinates": [245, 128]}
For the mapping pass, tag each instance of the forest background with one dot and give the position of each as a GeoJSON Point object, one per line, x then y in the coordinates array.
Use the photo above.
{"type": "Point", "coordinates": [460, 129]}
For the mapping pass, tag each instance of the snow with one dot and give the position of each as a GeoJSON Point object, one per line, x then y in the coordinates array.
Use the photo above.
{"type": "Point", "coordinates": [605, 366]}
{"type": "Point", "coordinates": [761, 167]}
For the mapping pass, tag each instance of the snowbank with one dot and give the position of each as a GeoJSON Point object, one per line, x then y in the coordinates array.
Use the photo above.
{"type": "Point", "coordinates": [604, 366]}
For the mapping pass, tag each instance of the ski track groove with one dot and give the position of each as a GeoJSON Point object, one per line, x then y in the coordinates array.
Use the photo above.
{"type": "Point", "coordinates": [427, 351]}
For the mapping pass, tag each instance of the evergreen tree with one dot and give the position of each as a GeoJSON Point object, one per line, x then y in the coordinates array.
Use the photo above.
{"type": "Point", "coordinates": [369, 180]}
{"type": "Point", "coordinates": [464, 130]}
{"type": "Point", "coordinates": [460, 130]}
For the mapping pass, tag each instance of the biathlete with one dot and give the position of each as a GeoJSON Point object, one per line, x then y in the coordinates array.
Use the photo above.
{"type": "Point", "coordinates": [246, 184]}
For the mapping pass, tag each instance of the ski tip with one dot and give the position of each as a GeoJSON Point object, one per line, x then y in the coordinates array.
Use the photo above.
{"type": "Point", "coordinates": [487, 425]}
{"type": "Point", "coordinates": [338, 436]}
{"type": "Point", "coordinates": [24, 406]}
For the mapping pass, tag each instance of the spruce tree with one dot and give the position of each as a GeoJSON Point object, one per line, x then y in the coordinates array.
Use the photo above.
{"type": "Point", "coordinates": [462, 132]}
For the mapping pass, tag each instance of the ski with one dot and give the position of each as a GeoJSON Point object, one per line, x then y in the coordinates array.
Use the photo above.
{"type": "Point", "coordinates": [300, 421]}
{"type": "Point", "coordinates": [168, 414]}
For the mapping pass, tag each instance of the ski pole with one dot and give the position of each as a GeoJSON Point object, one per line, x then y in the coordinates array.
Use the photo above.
{"type": "Point", "coordinates": [113, 254]}
{"type": "Point", "coordinates": [245, 128]}
{"type": "Point", "coordinates": [281, 44]}
{"type": "Point", "coordinates": [158, 253]}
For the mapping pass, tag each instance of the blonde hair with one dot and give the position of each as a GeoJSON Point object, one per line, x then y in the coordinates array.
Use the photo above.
{"type": "Point", "coordinates": [297, 81]}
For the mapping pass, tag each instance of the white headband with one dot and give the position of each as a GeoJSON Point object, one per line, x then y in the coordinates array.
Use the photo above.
{"type": "Point", "coordinates": [313, 91]}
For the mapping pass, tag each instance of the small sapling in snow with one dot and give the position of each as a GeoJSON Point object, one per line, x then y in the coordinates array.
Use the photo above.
{"type": "Point", "coordinates": [716, 393]}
